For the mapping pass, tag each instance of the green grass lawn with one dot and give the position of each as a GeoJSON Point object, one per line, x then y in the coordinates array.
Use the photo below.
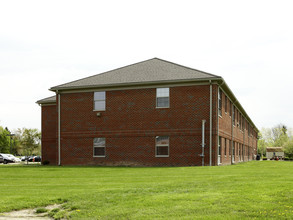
{"type": "Point", "coordinates": [258, 189]}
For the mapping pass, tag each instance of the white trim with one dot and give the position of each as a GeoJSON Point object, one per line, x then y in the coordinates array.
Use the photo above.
{"type": "Point", "coordinates": [162, 145]}
{"type": "Point", "coordinates": [157, 97]}
{"type": "Point", "coordinates": [152, 86]}
{"type": "Point", "coordinates": [99, 100]}
{"type": "Point", "coordinates": [149, 84]}
{"type": "Point", "coordinates": [47, 104]}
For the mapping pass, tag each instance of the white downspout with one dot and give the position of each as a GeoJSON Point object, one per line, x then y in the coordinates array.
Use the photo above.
{"type": "Point", "coordinates": [59, 139]}
{"type": "Point", "coordinates": [211, 122]}
{"type": "Point", "coordinates": [202, 143]}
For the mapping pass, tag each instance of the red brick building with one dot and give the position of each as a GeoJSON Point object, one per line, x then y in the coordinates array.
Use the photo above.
{"type": "Point", "coordinates": [152, 113]}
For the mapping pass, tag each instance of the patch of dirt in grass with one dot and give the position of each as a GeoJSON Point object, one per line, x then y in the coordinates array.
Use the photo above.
{"type": "Point", "coordinates": [27, 214]}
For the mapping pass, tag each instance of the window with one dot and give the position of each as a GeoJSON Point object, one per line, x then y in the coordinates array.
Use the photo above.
{"type": "Point", "coordinates": [99, 101]}
{"type": "Point", "coordinates": [99, 147]}
{"type": "Point", "coordinates": [162, 97]}
{"type": "Point", "coordinates": [219, 150]}
{"type": "Point", "coordinates": [225, 146]}
{"type": "Point", "coordinates": [230, 108]}
{"type": "Point", "coordinates": [236, 113]}
{"type": "Point", "coordinates": [226, 104]}
{"type": "Point", "coordinates": [220, 102]}
{"type": "Point", "coordinates": [162, 146]}
{"type": "Point", "coordinates": [240, 123]}
{"type": "Point", "coordinates": [239, 149]}
{"type": "Point", "coordinates": [233, 115]}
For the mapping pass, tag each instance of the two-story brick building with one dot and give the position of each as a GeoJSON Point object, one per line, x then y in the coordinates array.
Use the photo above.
{"type": "Point", "coordinates": [152, 113]}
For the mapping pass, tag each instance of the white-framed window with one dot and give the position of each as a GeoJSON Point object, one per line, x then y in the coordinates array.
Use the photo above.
{"type": "Point", "coordinates": [220, 102]}
{"type": "Point", "coordinates": [163, 95]}
{"type": "Point", "coordinates": [162, 146]}
{"type": "Point", "coordinates": [220, 150]}
{"type": "Point", "coordinates": [99, 101]}
{"type": "Point", "coordinates": [233, 115]}
{"type": "Point", "coordinates": [226, 144]}
{"type": "Point", "coordinates": [226, 104]}
{"type": "Point", "coordinates": [230, 111]}
{"type": "Point", "coordinates": [99, 147]}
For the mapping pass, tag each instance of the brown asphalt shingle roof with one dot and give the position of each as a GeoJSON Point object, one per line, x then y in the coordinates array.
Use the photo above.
{"type": "Point", "coordinates": [275, 149]}
{"type": "Point", "coordinates": [150, 71]}
{"type": "Point", "coordinates": [49, 100]}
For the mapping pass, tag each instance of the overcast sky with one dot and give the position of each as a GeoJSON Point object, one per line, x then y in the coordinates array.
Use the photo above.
{"type": "Point", "coordinates": [47, 43]}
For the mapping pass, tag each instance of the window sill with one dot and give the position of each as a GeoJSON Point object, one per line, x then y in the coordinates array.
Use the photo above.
{"type": "Point", "coordinates": [99, 110]}
{"type": "Point", "coordinates": [162, 107]}
{"type": "Point", "coordinates": [162, 155]}
{"type": "Point", "coordinates": [220, 116]}
{"type": "Point", "coordinates": [99, 156]}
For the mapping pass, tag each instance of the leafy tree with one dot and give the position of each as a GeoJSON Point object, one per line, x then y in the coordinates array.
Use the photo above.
{"type": "Point", "coordinates": [30, 140]}
{"type": "Point", "coordinates": [4, 141]}
{"type": "Point", "coordinates": [279, 135]}
{"type": "Point", "coordinates": [288, 148]}
{"type": "Point", "coordinates": [261, 147]}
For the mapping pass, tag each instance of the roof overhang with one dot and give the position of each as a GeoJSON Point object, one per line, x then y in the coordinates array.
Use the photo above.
{"type": "Point", "coordinates": [235, 101]}
{"type": "Point", "coordinates": [47, 101]}
{"type": "Point", "coordinates": [61, 89]}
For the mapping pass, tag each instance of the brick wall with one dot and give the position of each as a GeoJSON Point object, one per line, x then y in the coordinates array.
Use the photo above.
{"type": "Point", "coordinates": [245, 144]}
{"type": "Point", "coordinates": [131, 123]}
{"type": "Point", "coordinates": [49, 134]}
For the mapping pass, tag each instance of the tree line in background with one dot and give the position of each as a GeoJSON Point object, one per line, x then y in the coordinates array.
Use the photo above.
{"type": "Point", "coordinates": [22, 141]}
{"type": "Point", "coordinates": [278, 136]}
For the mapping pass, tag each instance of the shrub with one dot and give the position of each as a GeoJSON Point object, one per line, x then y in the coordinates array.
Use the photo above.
{"type": "Point", "coordinates": [46, 162]}
{"type": "Point", "coordinates": [264, 158]}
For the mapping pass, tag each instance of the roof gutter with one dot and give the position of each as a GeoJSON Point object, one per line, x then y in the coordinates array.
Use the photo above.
{"type": "Point", "coordinates": [58, 88]}
{"type": "Point", "coordinates": [235, 101]}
